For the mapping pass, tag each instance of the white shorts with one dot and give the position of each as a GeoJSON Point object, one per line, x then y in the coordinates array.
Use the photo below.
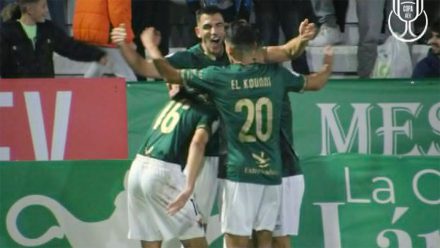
{"type": "Point", "coordinates": [248, 207]}
{"type": "Point", "coordinates": [205, 189]}
{"type": "Point", "coordinates": [152, 185]}
{"type": "Point", "coordinates": [291, 199]}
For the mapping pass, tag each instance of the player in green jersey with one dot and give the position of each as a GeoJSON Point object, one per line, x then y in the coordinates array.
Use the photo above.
{"type": "Point", "coordinates": [210, 51]}
{"type": "Point", "coordinates": [249, 98]}
{"type": "Point", "coordinates": [160, 202]}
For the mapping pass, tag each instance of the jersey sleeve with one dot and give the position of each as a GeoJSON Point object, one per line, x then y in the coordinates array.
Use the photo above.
{"type": "Point", "coordinates": [208, 121]}
{"type": "Point", "coordinates": [294, 81]}
{"type": "Point", "coordinates": [178, 59]}
{"type": "Point", "coordinates": [198, 79]}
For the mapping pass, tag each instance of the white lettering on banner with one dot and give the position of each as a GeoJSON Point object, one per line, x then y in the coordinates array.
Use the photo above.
{"type": "Point", "coordinates": [432, 239]}
{"type": "Point", "coordinates": [376, 192]}
{"type": "Point", "coordinates": [36, 124]}
{"type": "Point", "coordinates": [434, 118]}
{"type": "Point", "coordinates": [6, 101]}
{"type": "Point", "coordinates": [415, 186]}
{"type": "Point", "coordinates": [331, 126]}
{"type": "Point", "coordinates": [348, 189]}
{"type": "Point", "coordinates": [330, 223]}
{"type": "Point", "coordinates": [390, 190]}
{"type": "Point", "coordinates": [360, 127]}
{"type": "Point", "coordinates": [332, 232]}
{"type": "Point", "coordinates": [390, 130]}
{"type": "Point", "coordinates": [402, 237]}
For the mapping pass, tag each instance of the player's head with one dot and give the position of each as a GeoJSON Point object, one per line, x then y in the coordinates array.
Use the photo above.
{"type": "Point", "coordinates": [240, 40]}
{"type": "Point", "coordinates": [178, 92]}
{"type": "Point", "coordinates": [211, 30]}
{"type": "Point", "coordinates": [434, 41]}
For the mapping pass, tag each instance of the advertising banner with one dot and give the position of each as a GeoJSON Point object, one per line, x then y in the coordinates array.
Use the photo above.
{"type": "Point", "coordinates": [350, 201]}
{"type": "Point", "coordinates": [389, 117]}
{"type": "Point", "coordinates": [63, 118]}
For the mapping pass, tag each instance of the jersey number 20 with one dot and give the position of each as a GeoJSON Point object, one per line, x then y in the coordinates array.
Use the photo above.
{"type": "Point", "coordinates": [255, 113]}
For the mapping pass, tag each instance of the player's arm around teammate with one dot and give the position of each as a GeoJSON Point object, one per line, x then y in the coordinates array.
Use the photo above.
{"type": "Point", "coordinates": [269, 54]}
{"type": "Point", "coordinates": [193, 166]}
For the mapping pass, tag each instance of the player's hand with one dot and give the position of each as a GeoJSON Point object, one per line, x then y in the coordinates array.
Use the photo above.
{"type": "Point", "coordinates": [328, 59]}
{"type": "Point", "coordinates": [179, 202]}
{"type": "Point", "coordinates": [150, 37]}
{"type": "Point", "coordinates": [119, 34]}
{"type": "Point", "coordinates": [307, 30]}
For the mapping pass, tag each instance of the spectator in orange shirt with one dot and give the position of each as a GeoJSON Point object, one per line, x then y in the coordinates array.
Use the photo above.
{"type": "Point", "coordinates": [92, 23]}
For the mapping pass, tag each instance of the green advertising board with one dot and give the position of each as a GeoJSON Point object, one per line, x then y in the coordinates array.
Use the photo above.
{"type": "Point", "coordinates": [350, 201]}
{"type": "Point", "coordinates": [389, 117]}
{"type": "Point", "coordinates": [369, 151]}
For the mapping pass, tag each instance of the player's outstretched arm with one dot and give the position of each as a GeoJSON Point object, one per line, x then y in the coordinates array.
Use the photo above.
{"type": "Point", "coordinates": [291, 49]}
{"type": "Point", "coordinates": [317, 81]}
{"type": "Point", "coordinates": [194, 164]}
{"type": "Point", "coordinates": [140, 65]}
{"type": "Point", "coordinates": [150, 39]}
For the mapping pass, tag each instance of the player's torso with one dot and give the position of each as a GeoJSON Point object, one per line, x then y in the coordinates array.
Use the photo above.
{"type": "Point", "coordinates": [250, 104]}
{"type": "Point", "coordinates": [171, 132]}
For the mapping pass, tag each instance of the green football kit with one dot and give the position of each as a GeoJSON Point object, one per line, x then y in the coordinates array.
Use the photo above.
{"type": "Point", "coordinates": [170, 135]}
{"type": "Point", "coordinates": [249, 99]}
{"type": "Point", "coordinates": [195, 58]}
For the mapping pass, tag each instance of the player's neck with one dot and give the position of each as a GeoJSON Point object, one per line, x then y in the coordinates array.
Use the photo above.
{"type": "Point", "coordinates": [246, 59]}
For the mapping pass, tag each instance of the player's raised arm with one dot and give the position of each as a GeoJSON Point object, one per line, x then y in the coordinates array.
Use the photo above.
{"type": "Point", "coordinates": [291, 49]}
{"type": "Point", "coordinates": [140, 65]}
{"type": "Point", "coordinates": [317, 80]}
{"type": "Point", "coordinates": [149, 38]}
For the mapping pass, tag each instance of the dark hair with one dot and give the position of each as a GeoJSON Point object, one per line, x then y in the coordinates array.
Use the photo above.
{"type": "Point", "coordinates": [241, 34]}
{"type": "Point", "coordinates": [435, 26]}
{"type": "Point", "coordinates": [208, 10]}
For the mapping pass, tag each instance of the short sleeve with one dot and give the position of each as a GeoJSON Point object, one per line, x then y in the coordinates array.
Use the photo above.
{"type": "Point", "coordinates": [198, 79]}
{"type": "Point", "coordinates": [208, 121]}
{"type": "Point", "coordinates": [294, 81]}
{"type": "Point", "coordinates": [178, 59]}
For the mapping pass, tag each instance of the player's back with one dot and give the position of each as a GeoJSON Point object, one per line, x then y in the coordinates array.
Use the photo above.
{"type": "Point", "coordinates": [171, 132]}
{"type": "Point", "coordinates": [249, 99]}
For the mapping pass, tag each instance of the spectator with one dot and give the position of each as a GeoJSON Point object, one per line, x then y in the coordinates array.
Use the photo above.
{"type": "Point", "coordinates": [28, 41]}
{"type": "Point", "coordinates": [270, 15]}
{"type": "Point", "coordinates": [58, 13]}
{"type": "Point", "coordinates": [92, 22]}
{"type": "Point", "coordinates": [329, 33]}
{"type": "Point", "coordinates": [230, 9]}
{"type": "Point", "coordinates": [429, 67]}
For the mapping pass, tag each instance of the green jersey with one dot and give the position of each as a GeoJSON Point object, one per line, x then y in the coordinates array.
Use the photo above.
{"type": "Point", "coordinates": [249, 99]}
{"type": "Point", "coordinates": [291, 164]}
{"type": "Point", "coordinates": [170, 135]}
{"type": "Point", "coordinates": [194, 57]}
